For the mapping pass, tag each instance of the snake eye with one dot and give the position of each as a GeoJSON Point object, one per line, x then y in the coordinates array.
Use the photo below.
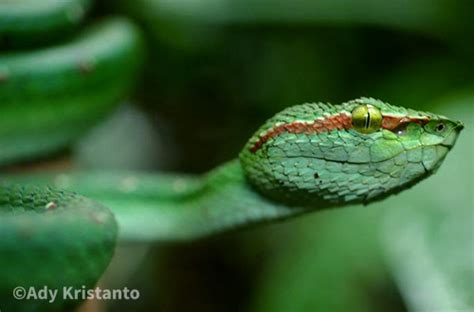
{"type": "Point", "coordinates": [366, 119]}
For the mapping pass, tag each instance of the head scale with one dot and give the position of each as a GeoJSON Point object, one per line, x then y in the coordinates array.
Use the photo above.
{"type": "Point", "coordinates": [358, 151]}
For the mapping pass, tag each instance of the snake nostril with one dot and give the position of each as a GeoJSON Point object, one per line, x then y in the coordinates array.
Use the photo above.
{"type": "Point", "coordinates": [460, 125]}
{"type": "Point", "coordinates": [316, 175]}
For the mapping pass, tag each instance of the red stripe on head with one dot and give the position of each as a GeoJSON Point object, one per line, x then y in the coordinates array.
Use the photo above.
{"type": "Point", "coordinates": [335, 122]}
{"type": "Point", "coordinates": [392, 122]}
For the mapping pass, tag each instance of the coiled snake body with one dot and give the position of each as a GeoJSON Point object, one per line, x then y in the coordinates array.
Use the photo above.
{"type": "Point", "coordinates": [308, 157]}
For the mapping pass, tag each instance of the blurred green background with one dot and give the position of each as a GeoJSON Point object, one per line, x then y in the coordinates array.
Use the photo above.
{"type": "Point", "coordinates": [214, 71]}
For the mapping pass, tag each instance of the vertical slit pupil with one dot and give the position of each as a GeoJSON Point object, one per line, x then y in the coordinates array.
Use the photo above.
{"type": "Point", "coordinates": [367, 120]}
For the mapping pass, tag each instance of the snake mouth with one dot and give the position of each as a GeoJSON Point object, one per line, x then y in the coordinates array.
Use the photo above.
{"type": "Point", "coordinates": [448, 146]}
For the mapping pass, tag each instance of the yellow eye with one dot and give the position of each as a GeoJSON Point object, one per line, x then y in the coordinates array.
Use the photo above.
{"type": "Point", "coordinates": [366, 119]}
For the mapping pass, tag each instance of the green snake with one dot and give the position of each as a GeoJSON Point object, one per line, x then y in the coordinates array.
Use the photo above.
{"type": "Point", "coordinates": [29, 22]}
{"type": "Point", "coordinates": [67, 86]}
{"type": "Point", "coordinates": [306, 158]}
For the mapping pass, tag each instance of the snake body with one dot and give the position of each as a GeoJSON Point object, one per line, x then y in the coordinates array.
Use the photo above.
{"type": "Point", "coordinates": [308, 157]}
{"type": "Point", "coordinates": [49, 96]}
{"type": "Point", "coordinates": [51, 238]}
{"type": "Point", "coordinates": [30, 22]}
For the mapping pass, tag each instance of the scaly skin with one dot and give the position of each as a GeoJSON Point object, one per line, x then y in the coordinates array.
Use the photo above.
{"type": "Point", "coordinates": [308, 157]}
{"type": "Point", "coordinates": [51, 238]}
{"type": "Point", "coordinates": [307, 163]}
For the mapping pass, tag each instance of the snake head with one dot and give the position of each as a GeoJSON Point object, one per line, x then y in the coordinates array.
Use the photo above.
{"type": "Point", "coordinates": [357, 151]}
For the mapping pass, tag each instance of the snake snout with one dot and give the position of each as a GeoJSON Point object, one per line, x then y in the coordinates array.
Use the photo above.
{"type": "Point", "coordinates": [450, 139]}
